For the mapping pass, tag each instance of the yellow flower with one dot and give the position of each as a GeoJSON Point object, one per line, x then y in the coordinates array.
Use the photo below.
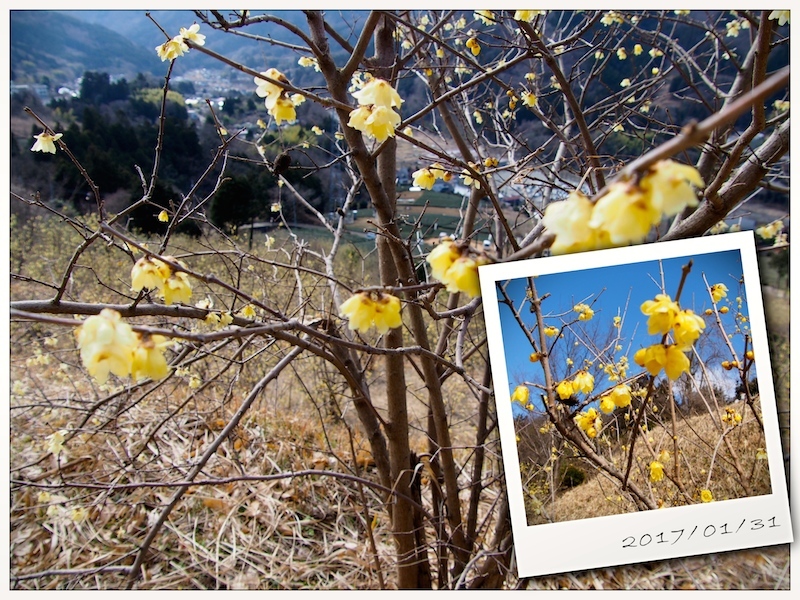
{"type": "Point", "coordinates": [267, 90]}
{"type": "Point", "coordinates": [550, 331]}
{"type": "Point", "coordinates": [106, 343]}
{"type": "Point", "coordinates": [316, 130]}
{"type": "Point", "coordinates": [248, 311]}
{"type": "Point", "coordinates": [308, 61]}
{"type": "Point", "coordinates": [486, 16]}
{"type": "Point", "coordinates": [212, 318]}
{"type": "Point", "coordinates": [583, 382]}
{"type": "Point", "coordinates": [424, 178]}
{"type": "Point", "coordinates": [470, 180]}
{"type": "Point", "coordinates": [474, 46]}
{"type": "Point", "coordinates": [177, 287]}
{"type": "Point", "coordinates": [529, 99]}
{"type": "Point", "coordinates": [150, 273]}
{"type": "Point", "coordinates": [163, 216]}
{"type": "Point", "coordinates": [372, 309]}
{"type": "Point", "coordinates": [462, 276]}
{"type": "Point", "coordinates": [668, 184]}
{"type": "Point", "coordinates": [225, 319]}
{"type": "Point", "coordinates": [565, 389]}
{"type": "Point", "coordinates": [599, 55]}
{"type": "Point", "coordinates": [625, 83]}
{"type": "Point", "coordinates": [192, 34]}
{"type": "Point", "coordinates": [622, 54]}
{"type": "Point", "coordinates": [624, 214]}
{"type": "Point", "coordinates": [148, 358]}
{"type": "Point", "coordinates": [584, 310]}
{"type": "Point", "coordinates": [607, 405]}
{"type": "Point", "coordinates": [706, 495]}
{"type": "Point", "coordinates": [656, 471]}
{"type": "Point", "coordinates": [611, 17]}
{"type": "Point", "coordinates": [172, 49]}
{"type": "Point", "coordinates": [617, 321]}
{"type": "Point", "coordinates": [621, 395]}
{"type": "Point", "coordinates": [676, 362]}
{"type": "Point", "coordinates": [750, 355]}
{"type": "Point", "coordinates": [670, 358]}
{"type": "Point", "coordinates": [527, 16]}
{"type": "Point", "coordinates": [718, 292]}
{"type": "Point", "coordinates": [637, 49]}
{"type": "Point", "coordinates": [663, 456]}
{"type": "Point", "coordinates": [55, 444]}
{"type": "Point", "coordinates": [442, 258]}
{"type": "Point", "coordinates": [535, 357]}
{"type": "Point", "coordinates": [378, 122]}
{"type": "Point", "coordinates": [770, 231]}
{"type": "Point", "coordinates": [378, 93]}
{"type": "Point", "coordinates": [45, 142]}
{"type": "Point", "coordinates": [590, 422]}
{"type": "Point", "coordinates": [662, 312]}
{"type": "Point", "coordinates": [283, 110]}
{"type": "Point", "coordinates": [686, 328]}
{"type": "Point", "coordinates": [521, 394]}
{"type": "Point", "coordinates": [761, 454]}
{"type": "Point", "coordinates": [568, 220]}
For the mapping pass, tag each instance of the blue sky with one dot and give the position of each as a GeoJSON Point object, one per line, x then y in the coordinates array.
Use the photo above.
{"type": "Point", "coordinates": [619, 290]}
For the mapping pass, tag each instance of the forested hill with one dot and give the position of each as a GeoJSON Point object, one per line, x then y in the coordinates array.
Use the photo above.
{"type": "Point", "coordinates": [61, 48]}
{"type": "Point", "coordinates": [122, 42]}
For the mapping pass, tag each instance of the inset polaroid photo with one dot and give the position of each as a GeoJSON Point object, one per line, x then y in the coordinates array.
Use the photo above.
{"type": "Point", "coordinates": [635, 402]}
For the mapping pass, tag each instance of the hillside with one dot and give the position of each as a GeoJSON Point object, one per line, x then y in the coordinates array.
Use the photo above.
{"type": "Point", "coordinates": [71, 47]}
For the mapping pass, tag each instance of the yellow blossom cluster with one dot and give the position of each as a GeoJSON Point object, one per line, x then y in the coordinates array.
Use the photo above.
{"type": "Point", "coordinates": [618, 370]}
{"type": "Point", "coordinates": [732, 417]}
{"type": "Point", "coordinates": [585, 312]}
{"type": "Point", "coordinates": [277, 100]}
{"type": "Point", "coordinates": [154, 274]}
{"type": "Point", "coordinates": [372, 309]}
{"type": "Point", "coordinates": [664, 315]}
{"type": "Point", "coordinates": [175, 47]}
{"type": "Point", "coordinates": [375, 115]}
{"type": "Point", "coordinates": [456, 266]}
{"type": "Point", "coordinates": [611, 17]}
{"type": "Point", "coordinates": [718, 291]}
{"type": "Point", "coordinates": [618, 397]}
{"type": "Point", "coordinates": [109, 345]}
{"type": "Point", "coordinates": [771, 230]}
{"type": "Point", "coordinates": [528, 16]}
{"type": "Point", "coordinates": [426, 177]}
{"type": "Point", "coordinates": [485, 16]}
{"type": "Point", "coordinates": [625, 213]}
{"type": "Point", "coordinates": [582, 382]}
{"type": "Point", "coordinates": [590, 422]}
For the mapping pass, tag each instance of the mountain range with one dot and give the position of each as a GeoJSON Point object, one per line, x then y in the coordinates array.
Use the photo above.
{"type": "Point", "coordinates": [57, 47]}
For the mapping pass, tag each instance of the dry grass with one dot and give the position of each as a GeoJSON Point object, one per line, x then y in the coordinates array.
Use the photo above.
{"type": "Point", "coordinates": [708, 459]}
{"type": "Point", "coordinates": [77, 522]}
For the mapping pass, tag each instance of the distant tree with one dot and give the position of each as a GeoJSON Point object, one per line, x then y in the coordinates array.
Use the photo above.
{"type": "Point", "coordinates": [234, 203]}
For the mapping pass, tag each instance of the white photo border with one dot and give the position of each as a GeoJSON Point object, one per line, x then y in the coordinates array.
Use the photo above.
{"type": "Point", "coordinates": [654, 534]}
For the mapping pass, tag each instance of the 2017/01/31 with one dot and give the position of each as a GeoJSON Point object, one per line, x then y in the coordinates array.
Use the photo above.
{"type": "Point", "coordinates": [709, 530]}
